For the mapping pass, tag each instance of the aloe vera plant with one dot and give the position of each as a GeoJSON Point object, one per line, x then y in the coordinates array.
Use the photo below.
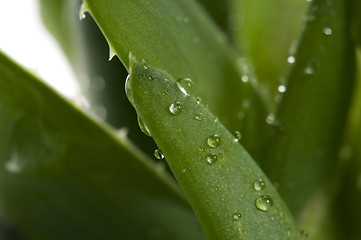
{"type": "Point", "coordinates": [203, 137]}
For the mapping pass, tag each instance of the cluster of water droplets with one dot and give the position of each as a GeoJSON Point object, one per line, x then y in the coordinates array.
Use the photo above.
{"type": "Point", "coordinates": [264, 202]}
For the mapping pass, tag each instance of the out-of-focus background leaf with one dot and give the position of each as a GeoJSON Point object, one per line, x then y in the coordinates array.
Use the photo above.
{"type": "Point", "coordinates": [303, 156]}
{"type": "Point", "coordinates": [265, 32]}
{"type": "Point", "coordinates": [66, 176]}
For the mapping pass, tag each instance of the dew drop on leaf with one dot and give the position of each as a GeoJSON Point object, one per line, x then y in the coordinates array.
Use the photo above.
{"type": "Point", "coordinates": [199, 116]}
{"type": "Point", "coordinates": [236, 216]}
{"type": "Point", "coordinates": [185, 85]}
{"type": "Point", "coordinates": [327, 31]}
{"type": "Point", "coordinates": [259, 185]}
{"type": "Point", "coordinates": [176, 108]}
{"type": "Point", "coordinates": [282, 88]}
{"type": "Point", "coordinates": [237, 136]}
{"type": "Point", "coordinates": [214, 141]}
{"type": "Point", "coordinates": [158, 154]}
{"type": "Point", "coordinates": [211, 158]}
{"type": "Point", "coordinates": [263, 203]}
{"type": "Point", "coordinates": [198, 100]}
{"type": "Point", "coordinates": [291, 59]}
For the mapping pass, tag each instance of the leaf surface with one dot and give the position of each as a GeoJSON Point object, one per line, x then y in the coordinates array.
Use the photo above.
{"type": "Point", "coordinates": [231, 196]}
{"type": "Point", "coordinates": [177, 36]}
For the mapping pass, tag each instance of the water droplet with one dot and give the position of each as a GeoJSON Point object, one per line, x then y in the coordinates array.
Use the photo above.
{"type": "Point", "coordinates": [236, 216]}
{"type": "Point", "coordinates": [143, 127]}
{"type": "Point", "coordinates": [158, 154]}
{"type": "Point", "coordinates": [214, 141]}
{"type": "Point", "coordinates": [271, 118]}
{"type": "Point", "coordinates": [259, 185]}
{"type": "Point", "coordinates": [13, 165]}
{"type": "Point", "coordinates": [282, 88]}
{"type": "Point", "coordinates": [211, 158]}
{"type": "Point", "coordinates": [237, 136]}
{"type": "Point", "coordinates": [263, 203]}
{"type": "Point", "coordinates": [82, 16]}
{"type": "Point", "coordinates": [176, 108]}
{"type": "Point", "coordinates": [241, 115]}
{"type": "Point", "coordinates": [201, 149]}
{"type": "Point", "coordinates": [311, 66]}
{"type": "Point", "coordinates": [327, 31]}
{"type": "Point", "coordinates": [198, 100]}
{"type": "Point", "coordinates": [199, 116]}
{"type": "Point", "coordinates": [291, 59]}
{"type": "Point", "coordinates": [185, 85]}
{"type": "Point", "coordinates": [245, 78]}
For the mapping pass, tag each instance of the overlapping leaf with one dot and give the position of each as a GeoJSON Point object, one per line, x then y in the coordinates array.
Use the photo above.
{"type": "Point", "coordinates": [64, 176]}
{"type": "Point", "coordinates": [311, 117]}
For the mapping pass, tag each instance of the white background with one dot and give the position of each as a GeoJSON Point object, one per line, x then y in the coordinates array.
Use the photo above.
{"type": "Point", "coordinates": [24, 38]}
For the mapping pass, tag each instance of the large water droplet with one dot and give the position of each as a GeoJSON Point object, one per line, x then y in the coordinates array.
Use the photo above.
{"type": "Point", "coordinates": [237, 136]}
{"type": "Point", "coordinates": [185, 85]}
{"type": "Point", "coordinates": [158, 154]}
{"type": "Point", "coordinates": [263, 203]}
{"type": "Point", "coordinates": [236, 216]}
{"type": "Point", "coordinates": [176, 108]}
{"type": "Point", "coordinates": [214, 141]}
{"type": "Point", "coordinates": [143, 127]}
{"type": "Point", "coordinates": [259, 185]}
{"type": "Point", "coordinates": [211, 158]}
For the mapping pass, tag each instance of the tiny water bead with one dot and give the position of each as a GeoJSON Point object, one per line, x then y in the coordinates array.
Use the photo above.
{"type": "Point", "coordinates": [271, 118]}
{"type": "Point", "coordinates": [282, 88]}
{"type": "Point", "coordinates": [291, 59]}
{"type": "Point", "coordinates": [185, 85]}
{"type": "Point", "coordinates": [201, 149]}
{"type": "Point", "coordinates": [211, 158]}
{"type": "Point", "coordinates": [158, 154]}
{"type": "Point", "coordinates": [236, 216]}
{"type": "Point", "coordinates": [237, 136]}
{"type": "Point", "coordinates": [327, 31]}
{"type": "Point", "coordinates": [198, 100]}
{"type": "Point", "coordinates": [245, 78]}
{"type": "Point", "coordinates": [176, 108]}
{"type": "Point", "coordinates": [259, 185]}
{"type": "Point", "coordinates": [263, 203]}
{"type": "Point", "coordinates": [199, 116]}
{"type": "Point", "coordinates": [214, 141]}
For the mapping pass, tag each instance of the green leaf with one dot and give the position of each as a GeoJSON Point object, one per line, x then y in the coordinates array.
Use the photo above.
{"type": "Point", "coordinates": [303, 156]}
{"type": "Point", "coordinates": [177, 36]}
{"type": "Point", "coordinates": [66, 176]}
{"type": "Point", "coordinates": [214, 170]}
{"type": "Point", "coordinates": [264, 31]}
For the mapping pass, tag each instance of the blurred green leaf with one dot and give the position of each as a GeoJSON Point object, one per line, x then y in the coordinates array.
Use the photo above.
{"type": "Point", "coordinates": [65, 176]}
{"type": "Point", "coordinates": [231, 196]}
{"type": "Point", "coordinates": [177, 36]}
{"type": "Point", "coordinates": [310, 119]}
{"type": "Point", "coordinates": [265, 31]}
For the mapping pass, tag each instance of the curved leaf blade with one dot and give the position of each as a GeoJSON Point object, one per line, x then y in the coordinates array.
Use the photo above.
{"type": "Point", "coordinates": [64, 176]}
{"type": "Point", "coordinates": [314, 108]}
{"type": "Point", "coordinates": [214, 170]}
{"type": "Point", "coordinates": [179, 37]}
